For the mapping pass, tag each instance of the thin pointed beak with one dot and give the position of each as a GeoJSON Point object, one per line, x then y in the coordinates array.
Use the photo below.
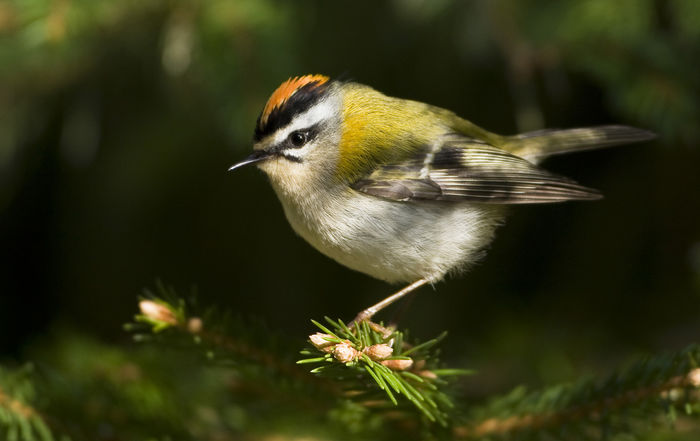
{"type": "Point", "coordinates": [256, 156]}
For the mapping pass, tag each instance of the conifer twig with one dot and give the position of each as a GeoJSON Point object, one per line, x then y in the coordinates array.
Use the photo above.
{"type": "Point", "coordinates": [163, 314]}
{"type": "Point", "coordinates": [16, 406]}
{"type": "Point", "coordinates": [19, 419]}
{"type": "Point", "coordinates": [593, 411]}
{"type": "Point", "coordinates": [369, 355]}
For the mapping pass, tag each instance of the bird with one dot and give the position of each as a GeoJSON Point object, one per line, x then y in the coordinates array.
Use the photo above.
{"type": "Point", "coordinates": [400, 190]}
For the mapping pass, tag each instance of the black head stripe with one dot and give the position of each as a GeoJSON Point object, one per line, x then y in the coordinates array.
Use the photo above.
{"type": "Point", "coordinates": [300, 101]}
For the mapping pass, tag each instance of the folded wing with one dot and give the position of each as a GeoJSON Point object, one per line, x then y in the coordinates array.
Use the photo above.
{"type": "Point", "coordinates": [464, 169]}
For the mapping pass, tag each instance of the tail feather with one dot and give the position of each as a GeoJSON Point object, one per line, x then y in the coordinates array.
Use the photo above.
{"type": "Point", "coordinates": [537, 145]}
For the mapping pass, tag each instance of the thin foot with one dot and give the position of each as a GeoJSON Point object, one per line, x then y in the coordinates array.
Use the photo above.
{"type": "Point", "coordinates": [368, 313]}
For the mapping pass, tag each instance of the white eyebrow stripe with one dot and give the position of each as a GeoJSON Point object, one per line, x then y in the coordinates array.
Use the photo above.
{"type": "Point", "coordinates": [318, 112]}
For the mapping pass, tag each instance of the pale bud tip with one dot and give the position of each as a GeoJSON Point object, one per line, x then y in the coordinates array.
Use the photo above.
{"type": "Point", "coordinates": [398, 365]}
{"type": "Point", "coordinates": [157, 312]}
{"type": "Point", "coordinates": [379, 352]}
{"type": "Point", "coordinates": [345, 353]}
{"type": "Point", "coordinates": [427, 374]}
{"type": "Point", "coordinates": [694, 377]}
{"type": "Point", "coordinates": [320, 340]}
{"type": "Point", "coordinates": [195, 325]}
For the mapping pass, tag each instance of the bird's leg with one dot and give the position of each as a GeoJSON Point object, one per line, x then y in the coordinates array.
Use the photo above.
{"type": "Point", "coordinates": [368, 313]}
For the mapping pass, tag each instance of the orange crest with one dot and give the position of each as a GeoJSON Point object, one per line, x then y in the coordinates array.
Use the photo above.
{"type": "Point", "coordinates": [286, 90]}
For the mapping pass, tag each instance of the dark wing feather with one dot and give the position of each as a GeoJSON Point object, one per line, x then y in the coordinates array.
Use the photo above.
{"type": "Point", "coordinates": [464, 169]}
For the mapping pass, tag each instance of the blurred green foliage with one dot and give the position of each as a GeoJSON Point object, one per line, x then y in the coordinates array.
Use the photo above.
{"type": "Point", "coordinates": [118, 120]}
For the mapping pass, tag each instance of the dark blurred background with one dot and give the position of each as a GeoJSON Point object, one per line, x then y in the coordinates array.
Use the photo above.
{"type": "Point", "coordinates": [119, 119]}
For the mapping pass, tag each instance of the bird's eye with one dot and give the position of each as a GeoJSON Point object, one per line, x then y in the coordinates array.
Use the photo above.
{"type": "Point", "coordinates": [298, 138]}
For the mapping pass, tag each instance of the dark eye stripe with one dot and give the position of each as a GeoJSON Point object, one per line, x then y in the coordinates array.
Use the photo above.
{"type": "Point", "coordinates": [299, 138]}
{"type": "Point", "coordinates": [307, 134]}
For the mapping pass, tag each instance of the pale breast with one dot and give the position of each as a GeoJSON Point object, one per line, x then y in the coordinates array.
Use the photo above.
{"type": "Point", "coordinates": [394, 241]}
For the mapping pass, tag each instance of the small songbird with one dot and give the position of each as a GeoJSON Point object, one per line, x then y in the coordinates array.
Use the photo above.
{"type": "Point", "coordinates": [401, 190]}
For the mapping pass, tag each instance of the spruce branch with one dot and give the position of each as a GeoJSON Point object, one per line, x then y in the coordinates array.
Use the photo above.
{"type": "Point", "coordinates": [368, 364]}
{"type": "Point", "coordinates": [370, 375]}
{"type": "Point", "coordinates": [220, 338]}
{"type": "Point", "coordinates": [368, 353]}
{"type": "Point", "coordinates": [648, 393]}
{"type": "Point", "coordinates": [19, 420]}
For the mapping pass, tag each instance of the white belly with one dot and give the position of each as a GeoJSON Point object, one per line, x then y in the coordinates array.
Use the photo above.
{"type": "Point", "coordinates": [394, 241]}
